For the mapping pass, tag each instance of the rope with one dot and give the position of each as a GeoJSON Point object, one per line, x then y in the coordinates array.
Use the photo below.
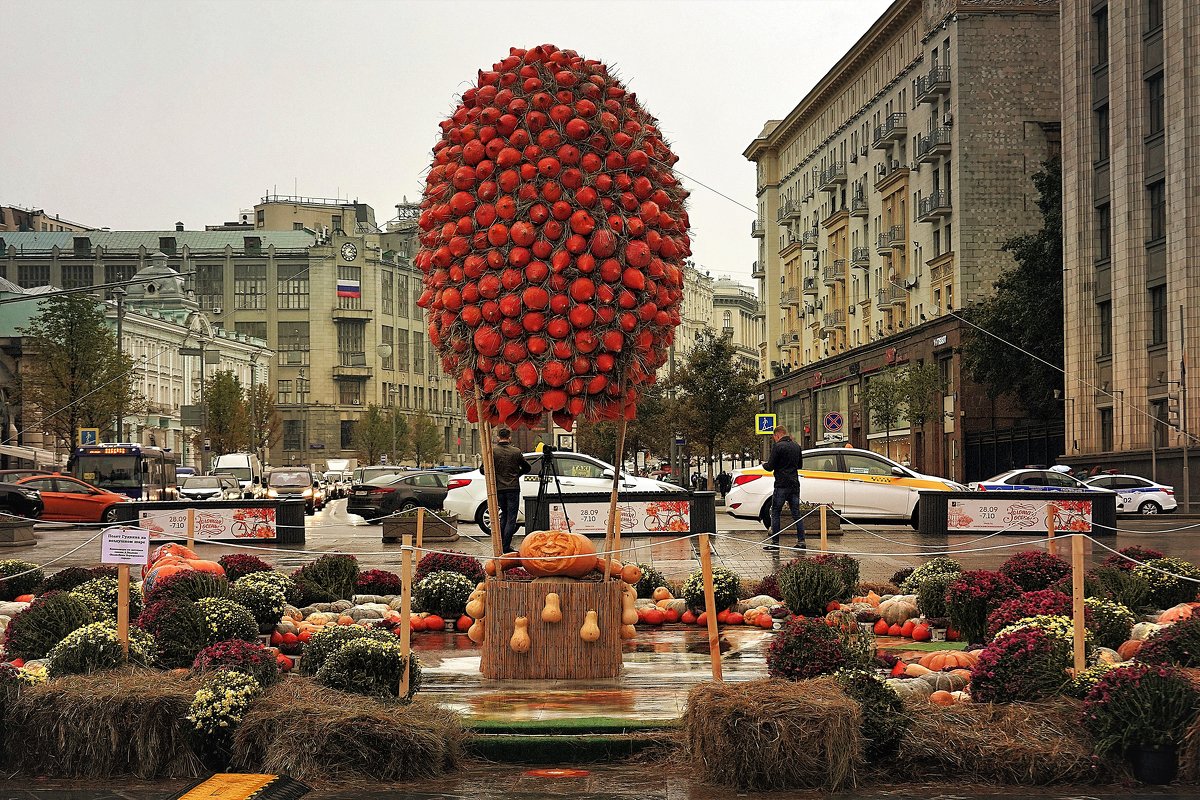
{"type": "Point", "coordinates": [72, 551]}
{"type": "Point", "coordinates": [893, 555]}
{"type": "Point", "coordinates": [1142, 563]}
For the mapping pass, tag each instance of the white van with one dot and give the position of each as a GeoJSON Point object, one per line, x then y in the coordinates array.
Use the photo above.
{"type": "Point", "coordinates": [247, 468]}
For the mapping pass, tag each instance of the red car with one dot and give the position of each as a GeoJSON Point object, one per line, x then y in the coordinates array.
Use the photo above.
{"type": "Point", "coordinates": [69, 499]}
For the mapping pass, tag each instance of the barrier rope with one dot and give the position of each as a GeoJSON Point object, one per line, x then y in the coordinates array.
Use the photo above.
{"type": "Point", "coordinates": [1141, 563]}
{"type": "Point", "coordinates": [55, 560]}
{"type": "Point", "coordinates": [807, 551]}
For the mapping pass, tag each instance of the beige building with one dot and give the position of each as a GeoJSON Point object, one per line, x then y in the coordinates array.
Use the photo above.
{"type": "Point", "coordinates": [1131, 220]}
{"type": "Point", "coordinates": [16, 218]}
{"type": "Point", "coordinates": [696, 312]}
{"type": "Point", "coordinates": [884, 197]}
{"type": "Point", "coordinates": [736, 313]}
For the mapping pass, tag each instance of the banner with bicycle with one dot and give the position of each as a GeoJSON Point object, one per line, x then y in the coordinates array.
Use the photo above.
{"type": "Point", "coordinates": [215, 524]}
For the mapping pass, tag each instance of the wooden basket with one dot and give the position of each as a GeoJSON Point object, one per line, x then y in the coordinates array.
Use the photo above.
{"type": "Point", "coordinates": [556, 651]}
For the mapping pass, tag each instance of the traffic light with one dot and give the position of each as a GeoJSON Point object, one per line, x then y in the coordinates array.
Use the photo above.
{"type": "Point", "coordinates": [1173, 408]}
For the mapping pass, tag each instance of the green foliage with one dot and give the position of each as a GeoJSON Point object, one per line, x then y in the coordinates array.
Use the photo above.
{"type": "Point", "coordinates": [1122, 586]}
{"type": "Point", "coordinates": [373, 433]}
{"type": "Point", "coordinates": [187, 587]}
{"type": "Point", "coordinates": [643, 433]}
{"type": "Point", "coordinates": [370, 667]}
{"type": "Point", "coordinates": [264, 600]}
{"type": "Point", "coordinates": [224, 619]}
{"type": "Point", "coordinates": [266, 425]}
{"type": "Point", "coordinates": [1140, 705]}
{"type": "Point", "coordinates": [931, 594]}
{"type": "Point", "coordinates": [444, 593]}
{"type": "Point", "coordinates": [1177, 644]}
{"type": "Point", "coordinates": [27, 577]}
{"type": "Point", "coordinates": [101, 595]}
{"type": "Point", "coordinates": [35, 631]}
{"type": "Point", "coordinates": [276, 580]}
{"type": "Point", "coordinates": [337, 574]}
{"type": "Point", "coordinates": [1112, 621]}
{"type": "Point", "coordinates": [884, 719]}
{"type": "Point", "coordinates": [805, 648]}
{"type": "Point", "coordinates": [726, 584]}
{"type": "Point", "coordinates": [426, 440]}
{"type": "Point", "coordinates": [808, 586]}
{"type": "Point", "coordinates": [96, 647]}
{"type": "Point", "coordinates": [1026, 312]}
{"type": "Point", "coordinates": [235, 655]}
{"type": "Point", "coordinates": [883, 396]}
{"type": "Point", "coordinates": [228, 427]}
{"type": "Point", "coordinates": [651, 579]}
{"type": "Point", "coordinates": [1171, 580]}
{"type": "Point", "coordinates": [222, 702]}
{"type": "Point", "coordinates": [847, 567]}
{"type": "Point", "coordinates": [939, 565]}
{"type": "Point", "coordinates": [179, 630]}
{"type": "Point", "coordinates": [330, 639]}
{"type": "Point", "coordinates": [65, 580]}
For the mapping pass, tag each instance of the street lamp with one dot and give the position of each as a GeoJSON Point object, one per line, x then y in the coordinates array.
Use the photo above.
{"type": "Point", "coordinates": [119, 422]}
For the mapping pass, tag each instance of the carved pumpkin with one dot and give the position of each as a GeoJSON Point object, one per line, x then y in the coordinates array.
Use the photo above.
{"type": "Point", "coordinates": [941, 659]}
{"type": "Point", "coordinates": [899, 609]}
{"type": "Point", "coordinates": [558, 554]}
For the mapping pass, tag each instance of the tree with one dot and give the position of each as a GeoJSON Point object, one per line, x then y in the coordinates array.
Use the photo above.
{"type": "Point", "coordinates": [74, 372]}
{"type": "Point", "coordinates": [228, 423]}
{"type": "Point", "coordinates": [597, 439]}
{"type": "Point", "coordinates": [401, 441]}
{"type": "Point", "coordinates": [885, 397]}
{"type": "Point", "coordinates": [645, 432]}
{"type": "Point", "coordinates": [1021, 353]}
{"type": "Point", "coordinates": [716, 396]}
{"type": "Point", "coordinates": [923, 390]}
{"type": "Point", "coordinates": [372, 435]}
{"type": "Point", "coordinates": [426, 440]}
{"type": "Point", "coordinates": [266, 426]}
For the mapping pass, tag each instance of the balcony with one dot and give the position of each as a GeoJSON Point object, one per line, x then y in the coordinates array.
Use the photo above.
{"type": "Point", "coordinates": [886, 174]}
{"type": "Point", "coordinates": [792, 210]}
{"type": "Point", "coordinates": [346, 372]}
{"type": "Point", "coordinates": [832, 177]}
{"type": "Point", "coordinates": [935, 206]}
{"type": "Point", "coordinates": [810, 286]}
{"type": "Point", "coordinates": [893, 129]}
{"type": "Point", "coordinates": [834, 272]}
{"type": "Point", "coordinates": [757, 230]}
{"type": "Point", "coordinates": [861, 257]}
{"type": "Point", "coordinates": [758, 270]}
{"type": "Point", "coordinates": [895, 236]}
{"type": "Point", "coordinates": [934, 145]}
{"type": "Point", "coordinates": [858, 206]}
{"type": "Point", "coordinates": [790, 297]}
{"type": "Point", "coordinates": [787, 240]}
{"type": "Point", "coordinates": [933, 84]}
{"type": "Point", "coordinates": [883, 243]}
{"type": "Point", "coordinates": [890, 296]}
{"type": "Point", "coordinates": [809, 240]}
{"type": "Point", "coordinates": [833, 321]}
{"type": "Point", "coordinates": [352, 314]}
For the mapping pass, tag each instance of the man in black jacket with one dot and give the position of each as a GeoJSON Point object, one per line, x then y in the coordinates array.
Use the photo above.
{"type": "Point", "coordinates": [784, 462]}
{"type": "Point", "coordinates": [510, 466]}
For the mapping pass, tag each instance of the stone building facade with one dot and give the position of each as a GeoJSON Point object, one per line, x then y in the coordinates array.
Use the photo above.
{"type": "Point", "coordinates": [737, 313]}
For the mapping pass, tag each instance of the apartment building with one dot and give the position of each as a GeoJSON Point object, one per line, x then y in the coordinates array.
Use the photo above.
{"type": "Point", "coordinates": [1131, 220]}
{"type": "Point", "coordinates": [16, 218]}
{"type": "Point", "coordinates": [884, 199]}
{"type": "Point", "coordinates": [736, 313]}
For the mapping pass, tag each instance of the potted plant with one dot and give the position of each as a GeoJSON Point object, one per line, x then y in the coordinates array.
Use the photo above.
{"type": "Point", "coordinates": [440, 528]}
{"type": "Point", "coordinates": [1144, 711]}
{"type": "Point", "coordinates": [810, 513]}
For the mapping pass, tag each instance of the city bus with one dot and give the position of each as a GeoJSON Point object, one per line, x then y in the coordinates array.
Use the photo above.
{"type": "Point", "coordinates": [140, 471]}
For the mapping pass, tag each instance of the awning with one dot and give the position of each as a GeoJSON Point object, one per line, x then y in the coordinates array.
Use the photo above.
{"type": "Point", "coordinates": [35, 454]}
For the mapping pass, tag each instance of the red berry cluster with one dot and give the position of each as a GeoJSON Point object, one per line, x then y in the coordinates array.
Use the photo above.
{"type": "Point", "coordinates": [553, 239]}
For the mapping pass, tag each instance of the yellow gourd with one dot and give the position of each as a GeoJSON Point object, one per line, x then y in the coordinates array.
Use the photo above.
{"type": "Point", "coordinates": [629, 615]}
{"type": "Point", "coordinates": [477, 607]}
{"type": "Point", "coordinates": [662, 593]}
{"type": "Point", "coordinates": [628, 631]}
{"type": "Point", "coordinates": [520, 638]}
{"type": "Point", "coordinates": [475, 632]}
{"type": "Point", "coordinates": [590, 631]}
{"type": "Point", "coordinates": [552, 612]}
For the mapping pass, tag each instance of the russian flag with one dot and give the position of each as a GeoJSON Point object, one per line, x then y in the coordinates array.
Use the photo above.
{"type": "Point", "coordinates": [348, 288]}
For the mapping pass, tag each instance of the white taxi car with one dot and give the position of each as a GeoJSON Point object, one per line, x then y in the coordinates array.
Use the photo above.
{"type": "Point", "coordinates": [857, 483]}
{"type": "Point", "coordinates": [466, 495]}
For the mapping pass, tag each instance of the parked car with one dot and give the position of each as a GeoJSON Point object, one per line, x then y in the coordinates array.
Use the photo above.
{"type": "Point", "coordinates": [184, 472]}
{"type": "Point", "coordinates": [390, 494]}
{"type": "Point", "coordinates": [14, 475]}
{"type": "Point", "coordinates": [1039, 480]}
{"type": "Point", "coordinates": [365, 474]}
{"type": "Point", "coordinates": [20, 501]}
{"type": "Point", "coordinates": [859, 484]}
{"type": "Point", "coordinates": [67, 499]}
{"type": "Point", "coordinates": [1136, 495]}
{"type": "Point", "coordinates": [210, 487]}
{"type": "Point", "coordinates": [293, 483]}
{"type": "Point", "coordinates": [337, 483]}
{"type": "Point", "coordinates": [578, 473]}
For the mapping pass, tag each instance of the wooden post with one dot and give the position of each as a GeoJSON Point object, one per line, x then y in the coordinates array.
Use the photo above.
{"type": "Point", "coordinates": [489, 475]}
{"type": "Point", "coordinates": [1052, 545]}
{"type": "Point", "coordinates": [420, 525]}
{"type": "Point", "coordinates": [123, 608]}
{"type": "Point", "coordinates": [405, 606]}
{"type": "Point", "coordinates": [612, 533]}
{"type": "Point", "coordinates": [710, 606]}
{"type": "Point", "coordinates": [824, 530]}
{"type": "Point", "coordinates": [191, 528]}
{"type": "Point", "coordinates": [1077, 600]}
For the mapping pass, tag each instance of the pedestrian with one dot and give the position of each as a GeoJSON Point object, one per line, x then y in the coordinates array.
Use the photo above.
{"type": "Point", "coordinates": [724, 482]}
{"type": "Point", "coordinates": [510, 466]}
{"type": "Point", "coordinates": [784, 462]}
{"type": "Point", "coordinates": [697, 480]}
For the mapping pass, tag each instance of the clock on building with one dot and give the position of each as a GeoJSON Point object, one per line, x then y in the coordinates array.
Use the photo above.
{"type": "Point", "coordinates": [349, 251]}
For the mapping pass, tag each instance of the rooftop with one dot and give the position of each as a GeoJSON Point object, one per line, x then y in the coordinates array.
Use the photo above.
{"type": "Point", "coordinates": [44, 241]}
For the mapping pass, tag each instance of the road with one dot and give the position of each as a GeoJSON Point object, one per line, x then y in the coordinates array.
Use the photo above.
{"type": "Point", "coordinates": [882, 549]}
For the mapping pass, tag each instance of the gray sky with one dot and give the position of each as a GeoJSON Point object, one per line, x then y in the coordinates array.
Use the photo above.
{"type": "Point", "coordinates": [135, 115]}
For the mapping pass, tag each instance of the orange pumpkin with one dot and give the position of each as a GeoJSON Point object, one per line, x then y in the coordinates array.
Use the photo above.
{"type": "Point", "coordinates": [941, 698]}
{"type": "Point", "coordinates": [558, 554]}
{"type": "Point", "coordinates": [162, 571]}
{"type": "Point", "coordinates": [172, 549]}
{"type": "Point", "coordinates": [941, 659]}
{"type": "Point", "coordinates": [631, 573]}
{"type": "Point", "coordinates": [1130, 649]}
{"type": "Point", "coordinates": [200, 565]}
{"type": "Point", "coordinates": [1176, 614]}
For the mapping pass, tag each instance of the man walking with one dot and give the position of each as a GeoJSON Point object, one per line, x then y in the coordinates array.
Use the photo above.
{"type": "Point", "coordinates": [724, 482]}
{"type": "Point", "coordinates": [784, 462]}
{"type": "Point", "coordinates": [510, 466]}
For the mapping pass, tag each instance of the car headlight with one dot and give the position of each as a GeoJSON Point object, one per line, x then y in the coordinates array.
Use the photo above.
{"type": "Point", "coordinates": [308, 492]}
{"type": "Point", "coordinates": [272, 493]}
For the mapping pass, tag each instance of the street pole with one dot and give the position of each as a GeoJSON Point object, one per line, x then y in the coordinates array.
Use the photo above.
{"type": "Point", "coordinates": [203, 416]}
{"type": "Point", "coordinates": [253, 408]}
{"type": "Point", "coordinates": [119, 294]}
{"type": "Point", "coordinates": [1183, 415]}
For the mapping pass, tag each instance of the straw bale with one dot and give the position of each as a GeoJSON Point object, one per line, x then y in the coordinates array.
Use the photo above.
{"type": "Point", "coordinates": [118, 722]}
{"type": "Point", "coordinates": [774, 734]}
{"type": "Point", "coordinates": [1021, 744]}
{"type": "Point", "coordinates": [311, 733]}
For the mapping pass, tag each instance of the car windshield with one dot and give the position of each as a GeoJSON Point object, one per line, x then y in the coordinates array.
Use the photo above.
{"type": "Point", "coordinates": [242, 473]}
{"type": "Point", "coordinates": [108, 471]}
{"type": "Point", "coordinates": [290, 479]}
{"type": "Point", "coordinates": [385, 480]}
{"type": "Point", "coordinates": [202, 483]}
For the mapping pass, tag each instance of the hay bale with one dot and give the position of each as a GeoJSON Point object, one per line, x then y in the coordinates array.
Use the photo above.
{"type": "Point", "coordinates": [1019, 744]}
{"type": "Point", "coordinates": [774, 734]}
{"type": "Point", "coordinates": [311, 732]}
{"type": "Point", "coordinates": [119, 722]}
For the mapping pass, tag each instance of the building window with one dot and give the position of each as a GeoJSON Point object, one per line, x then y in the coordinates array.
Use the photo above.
{"type": "Point", "coordinates": [260, 217]}
{"type": "Point", "coordinates": [292, 344]}
{"type": "Point", "coordinates": [349, 287]}
{"type": "Point", "coordinates": [418, 352]}
{"type": "Point", "coordinates": [1102, 140]}
{"type": "Point", "coordinates": [1104, 325]}
{"type": "Point", "coordinates": [1100, 38]}
{"type": "Point", "coordinates": [1103, 232]}
{"type": "Point", "coordinates": [351, 348]}
{"type": "Point", "coordinates": [350, 393]}
{"type": "Point", "coordinates": [1154, 15]}
{"type": "Point", "coordinates": [1106, 429]}
{"type": "Point", "coordinates": [76, 276]}
{"type": "Point", "coordinates": [386, 290]}
{"type": "Point", "coordinates": [1156, 201]}
{"type": "Point", "coordinates": [390, 359]}
{"type": "Point", "coordinates": [347, 434]}
{"type": "Point", "coordinates": [256, 329]}
{"type": "Point", "coordinates": [402, 296]}
{"type": "Point", "coordinates": [284, 393]}
{"type": "Point", "coordinates": [210, 286]}
{"type": "Point", "coordinates": [29, 275]}
{"type": "Point", "coordinates": [293, 433]}
{"type": "Point", "coordinates": [293, 286]}
{"type": "Point", "coordinates": [1158, 315]}
{"type": "Point", "coordinates": [250, 287]}
{"type": "Point", "coordinates": [1158, 412]}
{"type": "Point", "coordinates": [400, 351]}
{"type": "Point", "coordinates": [1155, 105]}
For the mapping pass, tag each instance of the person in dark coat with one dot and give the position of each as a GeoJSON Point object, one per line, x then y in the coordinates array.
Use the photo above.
{"type": "Point", "coordinates": [784, 462]}
{"type": "Point", "coordinates": [724, 482]}
{"type": "Point", "coordinates": [510, 466]}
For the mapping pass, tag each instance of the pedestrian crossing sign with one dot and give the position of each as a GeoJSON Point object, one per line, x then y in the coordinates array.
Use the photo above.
{"type": "Point", "coordinates": [89, 436]}
{"type": "Point", "coordinates": [764, 424]}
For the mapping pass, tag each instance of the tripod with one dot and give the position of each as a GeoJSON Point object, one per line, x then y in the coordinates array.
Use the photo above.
{"type": "Point", "coordinates": [547, 471]}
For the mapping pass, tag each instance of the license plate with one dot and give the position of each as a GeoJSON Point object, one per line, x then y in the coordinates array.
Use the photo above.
{"type": "Point", "coordinates": [363, 491]}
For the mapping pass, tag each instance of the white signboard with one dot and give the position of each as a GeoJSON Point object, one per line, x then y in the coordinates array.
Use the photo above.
{"type": "Point", "coordinates": [1006, 514]}
{"type": "Point", "coordinates": [637, 516]}
{"type": "Point", "coordinates": [211, 523]}
{"type": "Point", "coordinates": [125, 546]}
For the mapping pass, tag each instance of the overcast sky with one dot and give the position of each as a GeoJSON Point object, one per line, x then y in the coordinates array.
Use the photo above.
{"type": "Point", "coordinates": [134, 115]}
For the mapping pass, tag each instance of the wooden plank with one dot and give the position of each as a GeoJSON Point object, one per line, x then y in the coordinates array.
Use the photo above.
{"type": "Point", "coordinates": [1077, 601]}
{"type": "Point", "coordinates": [405, 608]}
{"type": "Point", "coordinates": [710, 607]}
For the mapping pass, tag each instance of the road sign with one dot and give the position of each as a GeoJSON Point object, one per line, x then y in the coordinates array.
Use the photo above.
{"type": "Point", "coordinates": [191, 416]}
{"type": "Point", "coordinates": [834, 421]}
{"type": "Point", "coordinates": [679, 440]}
{"type": "Point", "coordinates": [89, 436]}
{"type": "Point", "coordinates": [764, 424]}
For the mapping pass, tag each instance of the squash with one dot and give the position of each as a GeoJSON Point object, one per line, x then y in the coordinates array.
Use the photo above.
{"type": "Point", "coordinates": [475, 632]}
{"type": "Point", "coordinates": [961, 697]}
{"type": "Point", "coordinates": [662, 593]}
{"type": "Point", "coordinates": [477, 606]}
{"type": "Point", "coordinates": [1129, 649]}
{"type": "Point", "coordinates": [945, 681]}
{"type": "Point", "coordinates": [941, 698]}
{"type": "Point", "coordinates": [899, 609]}
{"type": "Point", "coordinates": [965, 674]}
{"type": "Point", "coordinates": [1105, 655]}
{"type": "Point", "coordinates": [629, 615]}
{"type": "Point", "coordinates": [590, 631]}
{"type": "Point", "coordinates": [1144, 630]}
{"type": "Point", "coordinates": [916, 671]}
{"type": "Point", "coordinates": [910, 689]}
{"type": "Point", "coordinates": [941, 659]}
{"type": "Point", "coordinates": [1175, 614]}
{"type": "Point", "coordinates": [519, 643]}
{"type": "Point", "coordinates": [552, 612]}
{"type": "Point", "coordinates": [843, 621]}
{"type": "Point", "coordinates": [200, 565]}
{"type": "Point", "coordinates": [628, 631]}
{"type": "Point", "coordinates": [562, 554]}
{"type": "Point", "coordinates": [631, 573]}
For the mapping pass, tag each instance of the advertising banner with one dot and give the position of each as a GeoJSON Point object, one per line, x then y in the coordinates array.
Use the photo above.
{"type": "Point", "coordinates": [637, 516]}
{"type": "Point", "coordinates": [1004, 514]}
{"type": "Point", "coordinates": [211, 523]}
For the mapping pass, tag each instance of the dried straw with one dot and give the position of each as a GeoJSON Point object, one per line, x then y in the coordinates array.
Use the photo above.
{"type": "Point", "coordinates": [774, 734]}
{"type": "Point", "coordinates": [1021, 744]}
{"type": "Point", "coordinates": [310, 732]}
{"type": "Point", "coordinates": [119, 722]}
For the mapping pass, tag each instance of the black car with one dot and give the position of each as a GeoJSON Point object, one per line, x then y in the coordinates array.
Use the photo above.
{"type": "Point", "coordinates": [389, 494]}
{"type": "Point", "coordinates": [20, 501]}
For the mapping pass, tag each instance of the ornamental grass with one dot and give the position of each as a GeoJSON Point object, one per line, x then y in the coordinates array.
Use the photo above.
{"type": "Point", "coordinates": [311, 732]}
{"type": "Point", "coordinates": [774, 734]}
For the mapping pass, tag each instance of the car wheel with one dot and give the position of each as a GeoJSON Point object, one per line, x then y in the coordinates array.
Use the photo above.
{"type": "Point", "coordinates": [915, 519]}
{"type": "Point", "coordinates": [408, 505]}
{"type": "Point", "coordinates": [1149, 507]}
{"type": "Point", "coordinates": [109, 514]}
{"type": "Point", "coordinates": [483, 520]}
{"type": "Point", "coordinates": [764, 516]}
